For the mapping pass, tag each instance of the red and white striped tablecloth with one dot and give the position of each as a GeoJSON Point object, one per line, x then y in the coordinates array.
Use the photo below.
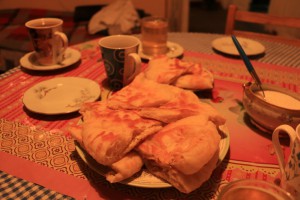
{"type": "Point", "coordinates": [40, 143]}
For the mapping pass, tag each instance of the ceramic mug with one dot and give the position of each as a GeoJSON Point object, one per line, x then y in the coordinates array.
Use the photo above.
{"type": "Point", "coordinates": [49, 42]}
{"type": "Point", "coordinates": [290, 170]}
{"type": "Point", "coordinates": [121, 60]}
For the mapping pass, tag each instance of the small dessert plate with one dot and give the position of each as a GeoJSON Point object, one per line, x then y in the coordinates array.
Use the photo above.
{"type": "Point", "coordinates": [174, 50]}
{"type": "Point", "coordinates": [226, 45]}
{"type": "Point", "coordinates": [28, 61]}
{"type": "Point", "coordinates": [60, 95]}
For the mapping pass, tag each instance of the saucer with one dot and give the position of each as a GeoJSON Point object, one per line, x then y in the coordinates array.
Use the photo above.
{"type": "Point", "coordinates": [60, 95]}
{"type": "Point", "coordinates": [226, 45]}
{"type": "Point", "coordinates": [28, 61]}
{"type": "Point", "coordinates": [174, 50]}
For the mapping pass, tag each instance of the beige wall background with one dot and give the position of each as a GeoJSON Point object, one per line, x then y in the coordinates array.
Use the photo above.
{"type": "Point", "coordinates": [154, 7]}
{"type": "Point", "coordinates": [288, 8]}
{"type": "Point", "coordinates": [177, 11]}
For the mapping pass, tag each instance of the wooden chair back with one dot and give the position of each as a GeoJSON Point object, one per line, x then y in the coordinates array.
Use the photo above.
{"type": "Point", "coordinates": [234, 15]}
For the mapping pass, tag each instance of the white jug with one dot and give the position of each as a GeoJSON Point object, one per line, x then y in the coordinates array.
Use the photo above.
{"type": "Point", "coordinates": [290, 170]}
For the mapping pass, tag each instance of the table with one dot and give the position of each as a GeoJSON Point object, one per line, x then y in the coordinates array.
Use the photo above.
{"type": "Point", "coordinates": [37, 151]}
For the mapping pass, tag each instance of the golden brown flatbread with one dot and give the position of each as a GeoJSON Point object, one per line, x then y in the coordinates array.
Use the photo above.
{"type": "Point", "coordinates": [185, 183]}
{"type": "Point", "coordinates": [143, 93]}
{"type": "Point", "coordinates": [161, 102]}
{"type": "Point", "coordinates": [166, 70]}
{"type": "Point", "coordinates": [108, 135]}
{"type": "Point", "coordinates": [183, 74]}
{"type": "Point", "coordinates": [201, 81]}
{"type": "Point", "coordinates": [182, 151]}
{"type": "Point", "coordinates": [171, 129]}
{"type": "Point", "coordinates": [130, 164]}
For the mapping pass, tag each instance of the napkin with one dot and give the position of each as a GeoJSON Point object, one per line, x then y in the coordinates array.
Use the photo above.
{"type": "Point", "coordinates": [120, 16]}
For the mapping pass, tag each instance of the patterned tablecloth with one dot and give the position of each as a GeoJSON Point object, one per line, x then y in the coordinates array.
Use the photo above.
{"type": "Point", "coordinates": [275, 52]}
{"type": "Point", "coordinates": [16, 188]}
{"type": "Point", "coordinates": [38, 149]}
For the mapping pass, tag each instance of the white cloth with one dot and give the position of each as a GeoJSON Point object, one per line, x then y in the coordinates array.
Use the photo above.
{"type": "Point", "coordinates": [119, 13]}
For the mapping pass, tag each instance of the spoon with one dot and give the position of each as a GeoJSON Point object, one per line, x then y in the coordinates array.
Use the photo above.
{"type": "Point", "coordinates": [248, 64]}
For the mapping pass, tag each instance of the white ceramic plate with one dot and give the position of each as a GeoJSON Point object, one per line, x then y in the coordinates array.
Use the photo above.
{"type": "Point", "coordinates": [28, 61]}
{"type": "Point", "coordinates": [174, 50]}
{"type": "Point", "coordinates": [226, 45]}
{"type": "Point", "coordinates": [60, 95]}
{"type": "Point", "coordinates": [145, 179]}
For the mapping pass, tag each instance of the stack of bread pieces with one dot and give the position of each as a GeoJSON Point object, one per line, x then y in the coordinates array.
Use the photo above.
{"type": "Point", "coordinates": [154, 122]}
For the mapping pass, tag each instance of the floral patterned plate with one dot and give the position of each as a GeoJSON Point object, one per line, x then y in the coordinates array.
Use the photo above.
{"type": "Point", "coordinates": [60, 95]}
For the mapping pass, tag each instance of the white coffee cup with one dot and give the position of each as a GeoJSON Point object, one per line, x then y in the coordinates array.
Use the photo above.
{"type": "Point", "coordinates": [290, 170]}
{"type": "Point", "coordinates": [49, 42]}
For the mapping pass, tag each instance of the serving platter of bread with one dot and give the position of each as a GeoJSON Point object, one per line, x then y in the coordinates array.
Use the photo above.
{"type": "Point", "coordinates": [155, 132]}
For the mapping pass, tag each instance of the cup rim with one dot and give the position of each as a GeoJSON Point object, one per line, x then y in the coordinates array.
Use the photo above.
{"type": "Point", "coordinates": [58, 22]}
{"type": "Point", "coordinates": [235, 184]}
{"type": "Point", "coordinates": [154, 18]}
{"type": "Point", "coordinates": [104, 41]}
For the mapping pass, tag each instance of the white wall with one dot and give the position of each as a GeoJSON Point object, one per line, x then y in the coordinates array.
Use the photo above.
{"type": "Point", "coordinates": [288, 8]}
{"type": "Point", "coordinates": [177, 11]}
{"type": "Point", "coordinates": [154, 7]}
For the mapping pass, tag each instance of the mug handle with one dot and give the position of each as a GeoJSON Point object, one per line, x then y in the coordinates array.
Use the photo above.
{"type": "Point", "coordinates": [298, 132]}
{"type": "Point", "coordinates": [276, 142]}
{"type": "Point", "coordinates": [64, 39]}
{"type": "Point", "coordinates": [132, 68]}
